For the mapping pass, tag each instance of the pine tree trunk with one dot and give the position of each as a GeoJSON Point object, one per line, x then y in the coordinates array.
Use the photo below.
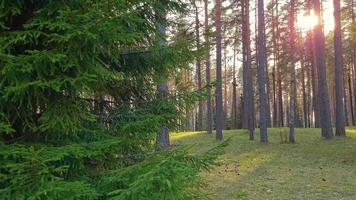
{"type": "Point", "coordinates": [218, 92]}
{"type": "Point", "coordinates": [353, 68]}
{"type": "Point", "coordinates": [279, 99]}
{"type": "Point", "coordinates": [275, 110]}
{"type": "Point", "coordinates": [199, 122]}
{"type": "Point", "coordinates": [209, 120]}
{"type": "Point", "coordinates": [261, 73]}
{"type": "Point", "coordinates": [225, 88]}
{"type": "Point", "coordinates": [305, 114]}
{"type": "Point", "coordinates": [248, 98]}
{"type": "Point", "coordinates": [339, 80]}
{"type": "Point", "coordinates": [162, 139]}
{"type": "Point", "coordinates": [350, 97]}
{"type": "Point", "coordinates": [234, 103]}
{"type": "Point", "coordinates": [319, 49]}
{"type": "Point", "coordinates": [292, 94]}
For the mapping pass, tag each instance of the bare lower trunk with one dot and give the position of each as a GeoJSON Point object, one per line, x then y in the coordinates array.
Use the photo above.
{"type": "Point", "coordinates": [248, 99]}
{"type": "Point", "coordinates": [292, 94]}
{"type": "Point", "coordinates": [199, 122]}
{"type": "Point", "coordinates": [209, 121]}
{"type": "Point", "coordinates": [261, 74]}
{"type": "Point", "coordinates": [339, 80]}
{"type": "Point", "coordinates": [218, 92]}
{"type": "Point", "coordinates": [319, 49]}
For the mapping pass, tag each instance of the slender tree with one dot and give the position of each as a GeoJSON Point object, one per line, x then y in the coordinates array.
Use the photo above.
{"type": "Point", "coordinates": [292, 95]}
{"type": "Point", "coordinates": [234, 84]}
{"type": "Point", "coordinates": [163, 134]}
{"type": "Point", "coordinates": [339, 80]}
{"type": "Point", "coordinates": [209, 121]}
{"type": "Point", "coordinates": [199, 122]}
{"type": "Point", "coordinates": [261, 73]}
{"type": "Point", "coordinates": [218, 91]}
{"type": "Point", "coordinates": [248, 99]}
{"type": "Point", "coordinates": [319, 50]}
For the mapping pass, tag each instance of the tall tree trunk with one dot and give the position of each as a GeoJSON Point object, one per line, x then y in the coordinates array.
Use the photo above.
{"type": "Point", "coordinates": [309, 104]}
{"type": "Point", "coordinates": [345, 104]}
{"type": "Point", "coordinates": [261, 73]}
{"type": "Point", "coordinates": [305, 114]}
{"type": "Point", "coordinates": [353, 62]}
{"type": "Point", "coordinates": [225, 87]}
{"type": "Point", "coordinates": [319, 49]}
{"type": "Point", "coordinates": [162, 139]}
{"type": "Point", "coordinates": [199, 122]}
{"type": "Point", "coordinates": [279, 99]}
{"type": "Point", "coordinates": [234, 103]}
{"type": "Point", "coordinates": [218, 92]}
{"type": "Point", "coordinates": [248, 98]}
{"type": "Point", "coordinates": [274, 43]}
{"type": "Point", "coordinates": [351, 99]}
{"type": "Point", "coordinates": [209, 120]}
{"type": "Point", "coordinates": [339, 80]}
{"type": "Point", "coordinates": [292, 95]}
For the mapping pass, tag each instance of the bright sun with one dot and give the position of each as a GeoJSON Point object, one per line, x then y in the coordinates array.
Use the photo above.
{"type": "Point", "coordinates": [306, 22]}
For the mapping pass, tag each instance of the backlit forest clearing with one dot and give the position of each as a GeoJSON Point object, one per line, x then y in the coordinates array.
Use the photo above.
{"type": "Point", "coordinates": [177, 99]}
{"type": "Point", "coordinates": [309, 169]}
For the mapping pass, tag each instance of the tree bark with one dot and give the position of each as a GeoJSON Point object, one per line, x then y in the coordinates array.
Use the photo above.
{"type": "Point", "coordinates": [248, 98]}
{"type": "Point", "coordinates": [339, 80]}
{"type": "Point", "coordinates": [234, 103]}
{"type": "Point", "coordinates": [292, 95]}
{"type": "Point", "coordinates": [199, 122]}
{"type": "Point", "coordinates": [319, 49]}
{"type": "Point", "coordinates": [218, 92]}
{"type": "Point", "coordinates": [209, 121]}
{"type": "Point", "coordinates": [261, 73]}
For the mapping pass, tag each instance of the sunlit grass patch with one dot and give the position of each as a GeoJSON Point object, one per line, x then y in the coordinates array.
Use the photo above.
{"type": "Point", "coordinates": [313, 168]}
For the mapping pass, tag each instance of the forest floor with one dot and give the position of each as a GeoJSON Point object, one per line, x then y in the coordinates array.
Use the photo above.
{"type": "Point", "coordinates": [312, 168]}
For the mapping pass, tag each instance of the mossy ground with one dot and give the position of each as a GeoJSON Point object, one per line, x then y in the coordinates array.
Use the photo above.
{"type": "Point", "coordinates": [312, 168]}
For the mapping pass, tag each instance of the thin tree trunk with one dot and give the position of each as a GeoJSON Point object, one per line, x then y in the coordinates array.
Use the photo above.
{"type": "Point", "coordinates": [209, 120]}
{"type": "Point", "coordinates": [162, 139]}
{"type": "Point", "coordinates": [319, 49]}
{"type": "Point", "coordinates": [275, 110]}
{"type": "Point", "coordinates": [339, 80]}
{"type": "Point", "coordinates": [248, 98]}
{"type": "Point", "coordinates": [234, 104]}
{"type": "Point", "coordinates": [261, 73]}
{"type": "Point", "coordinates": [305, 114]}
{"type": "Point", "coordinates": [218, 92]}
{"type": "Point", "coordinates": [199, 122]}
{"type": "Point", "coordinates": [351, 99]}
{"type": "Point", "coordinates": [292, 94]}
{"type": "Point", "coordinates": [280, 116]}
{"type": "Point", "coordinates": [225, 87]}
{"type": "Point", "coordinates": [353, 56]}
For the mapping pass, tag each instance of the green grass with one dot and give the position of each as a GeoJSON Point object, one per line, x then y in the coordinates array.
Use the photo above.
{"type": "Point", "coordinates": [313, 168]}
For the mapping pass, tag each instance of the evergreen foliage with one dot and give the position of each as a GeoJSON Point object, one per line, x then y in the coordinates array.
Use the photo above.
{"type": "Point", "coordinates": [78, 107]}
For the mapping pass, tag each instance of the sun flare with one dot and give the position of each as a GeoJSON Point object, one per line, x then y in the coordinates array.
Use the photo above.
{"type": "Point", "coordinates": [307, 22]}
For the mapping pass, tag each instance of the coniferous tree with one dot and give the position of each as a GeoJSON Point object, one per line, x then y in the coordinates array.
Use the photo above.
{"type": "Point", "coordinates": [209, 120]}
{"type": "Point", "coordinates": [292, 96]}
{"type": "Point", "coordinates": [218, 91]}
{"type": "Point", "coordinates": [339, 80]}
{"type": "Point", "coordinates": [319, 51]}
{"type": "Point", "coordinates": [261, 74]}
